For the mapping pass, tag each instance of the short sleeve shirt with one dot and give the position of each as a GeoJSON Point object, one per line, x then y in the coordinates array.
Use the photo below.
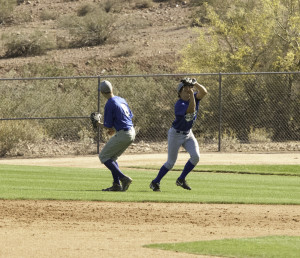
{"type": "Point", "coordinates": [117, 114]}
{"type": "Point", "coordinates": [182, 122]}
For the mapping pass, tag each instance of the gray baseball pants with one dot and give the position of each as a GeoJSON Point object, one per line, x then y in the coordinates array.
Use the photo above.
{"type": "Point", "coordinates": [188, 142]}
{"type": "Point", "coordinates": [116, 145]}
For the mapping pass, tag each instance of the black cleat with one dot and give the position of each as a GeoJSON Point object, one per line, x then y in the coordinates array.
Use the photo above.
{"type": "Point", "coordinates": [155, 186]}
{"type": "Point", "coordinates": [125, 181]}
{"type": "Point", "coordinates": [183, 184]}
{"type": "Point", "coordinates": [114, 188]}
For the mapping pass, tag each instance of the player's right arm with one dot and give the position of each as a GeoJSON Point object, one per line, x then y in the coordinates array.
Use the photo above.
{"type": "Point", "coordinates": [110, 131]}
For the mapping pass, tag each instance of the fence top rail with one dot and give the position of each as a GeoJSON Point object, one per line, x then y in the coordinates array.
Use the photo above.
{"type": "Point", "coordinates": [142, 75]}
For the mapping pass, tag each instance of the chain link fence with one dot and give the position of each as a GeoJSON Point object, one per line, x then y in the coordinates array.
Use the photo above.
{"type": "Point", "coordinates": [245, 112]}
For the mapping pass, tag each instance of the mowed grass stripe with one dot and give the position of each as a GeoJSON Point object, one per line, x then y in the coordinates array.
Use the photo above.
{"type": "Point", "coordinates": [32, 182]}
{"type": "Point", "coordinates": [289, 170]}
{"type": "Point", "coordinates": [259, 247]}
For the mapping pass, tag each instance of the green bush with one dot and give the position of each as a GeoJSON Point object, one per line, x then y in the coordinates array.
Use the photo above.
{"type": "Point", "coordinates": [27, 45]}
{"type": "Point", "coordinates": [14, 132]}
{"type": "Point", "coordinates": [51, 98]}
{"type": "Point", "coordinates": [91, 30]}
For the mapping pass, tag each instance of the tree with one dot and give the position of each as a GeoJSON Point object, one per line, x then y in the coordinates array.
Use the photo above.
{"type": "Point", "coordinates": [244, 36]}
{"type": "Point", "coordinates": [251, 36]}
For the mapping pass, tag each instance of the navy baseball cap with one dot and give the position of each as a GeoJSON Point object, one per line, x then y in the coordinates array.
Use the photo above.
{"type": "Point", "coordinates": [105, 87]}
{"type": "Point", "coordinates": [179, 87]}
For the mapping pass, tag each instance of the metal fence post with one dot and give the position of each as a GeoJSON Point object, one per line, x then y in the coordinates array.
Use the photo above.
{"type": "Point", "coordinates": [220, 112]}
{"type": "Point", "coordinates": [98, 109]}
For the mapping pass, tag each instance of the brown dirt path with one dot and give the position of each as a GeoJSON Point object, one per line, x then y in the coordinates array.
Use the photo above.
{"type": "Point", "coordinates": [210, 158]}
{"type": "Point", "coordinates": [100, 229]}
{"type": "Point", "coordinates": [103, 229]}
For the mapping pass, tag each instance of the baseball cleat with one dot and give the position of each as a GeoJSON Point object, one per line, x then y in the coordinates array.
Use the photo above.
{"type": "Point", "coordinates": [125, 181]}
{"type": "Point", "coordinates": [114, 188]}
{"type": "Point", "coordinates": [183, 184]}
{"type": "Point", "coordinates": [155, 186]}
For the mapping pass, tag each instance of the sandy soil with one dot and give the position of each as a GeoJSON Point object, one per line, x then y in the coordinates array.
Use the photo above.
{"type": "Point", "coordinates": [101, 229]}
{"type": "Point", "coordinates": [158, 159]}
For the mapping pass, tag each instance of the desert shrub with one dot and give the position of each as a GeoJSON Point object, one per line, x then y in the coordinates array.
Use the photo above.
{"type": "Point", "coordinates": [50, 98]}
{"type": "Point", "coordinates": [108, 5]}
{"type": "Point", "coordinates": [258, 135]}
{"type": "Point", "coordinates": [161, 1]}
{"type": "Point", "coordinates": [141, 4]}
{"type": "Point", "coordinates": [62, 41]}
{"type": "Point", "coordinates": [14, 132]}
{"type": "Point", "coordinates": [85, 9]}
{"type": "Point", "coordinates": [124, 51]}
{"type": "Point", "coordinates": [197, 2]}
{"type": "Point", "coordinates": [48, 15]}
{"type": "Point", "coordinates": [27, 45]}
{"type": "Point", "coordinates": [48, 69]}
{"type": "Point", "coordinates": [7, 7]}
{"type": "Point", "coordinates": [91, 30]}
{"type": "Point", "coordinates": [21, 17]}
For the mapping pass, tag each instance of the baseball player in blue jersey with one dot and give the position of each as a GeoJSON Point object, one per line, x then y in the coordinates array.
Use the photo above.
{"type": "Point", "coordinates": [190, 92]}
{"type": "Point", "coordinates": [118, 120]}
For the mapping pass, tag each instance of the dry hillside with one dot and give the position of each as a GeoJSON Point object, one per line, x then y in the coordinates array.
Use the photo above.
{"type": "Point", "coordinates": [150, 37]}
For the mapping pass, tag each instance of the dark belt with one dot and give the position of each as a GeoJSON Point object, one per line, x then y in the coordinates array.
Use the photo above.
{"type": "Point", "coordinates": [182, 132]}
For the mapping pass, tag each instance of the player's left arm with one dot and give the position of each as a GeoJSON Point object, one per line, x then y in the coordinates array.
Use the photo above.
{"type": "Point", "coordinates": [200, 89]}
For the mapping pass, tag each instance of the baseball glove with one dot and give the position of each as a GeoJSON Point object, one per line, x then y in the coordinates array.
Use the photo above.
{"type": "Point", "coordinates": [188, 81]}
{"type": "Point", "coordinates": [95, 119]}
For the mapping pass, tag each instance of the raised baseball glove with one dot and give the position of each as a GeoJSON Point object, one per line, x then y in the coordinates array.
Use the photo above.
{"type": "Point", "coordinates": [95, 119]}
{"type": "Point", "coordinates": [188, 81]}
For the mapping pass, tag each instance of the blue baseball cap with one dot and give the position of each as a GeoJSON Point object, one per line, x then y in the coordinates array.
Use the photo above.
{"type": "Point", "coordinates": [105, 87]}
{"type": "Point", "coordinates": [179, 87]}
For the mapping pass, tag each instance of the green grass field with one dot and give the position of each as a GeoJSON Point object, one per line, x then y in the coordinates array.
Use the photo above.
{"type": "Point", "coordinates": [259, 247]}
{"type": "Point", "coordinates": [247, 184]}
{"type": "Point", "coordinates": [256, 186]}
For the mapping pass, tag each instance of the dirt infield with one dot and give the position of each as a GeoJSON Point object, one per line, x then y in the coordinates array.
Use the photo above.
{"type": "Point", "coordinates": [101, 229]}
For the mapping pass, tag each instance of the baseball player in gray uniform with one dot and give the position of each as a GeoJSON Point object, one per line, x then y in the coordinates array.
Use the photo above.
{"type": "Point", "coordinates": [190, 92]}
{"type": "Point", "coordinates": [118, 121]}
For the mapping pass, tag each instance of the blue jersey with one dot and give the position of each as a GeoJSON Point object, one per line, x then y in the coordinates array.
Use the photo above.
{"type": "Point", "coordinates": [184, 122]}
{"type": "Point", "coordinates": [117, 114]}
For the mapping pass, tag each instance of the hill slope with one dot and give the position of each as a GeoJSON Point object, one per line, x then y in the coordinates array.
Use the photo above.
{"type": "Point", "coordinates": [150, 37]}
